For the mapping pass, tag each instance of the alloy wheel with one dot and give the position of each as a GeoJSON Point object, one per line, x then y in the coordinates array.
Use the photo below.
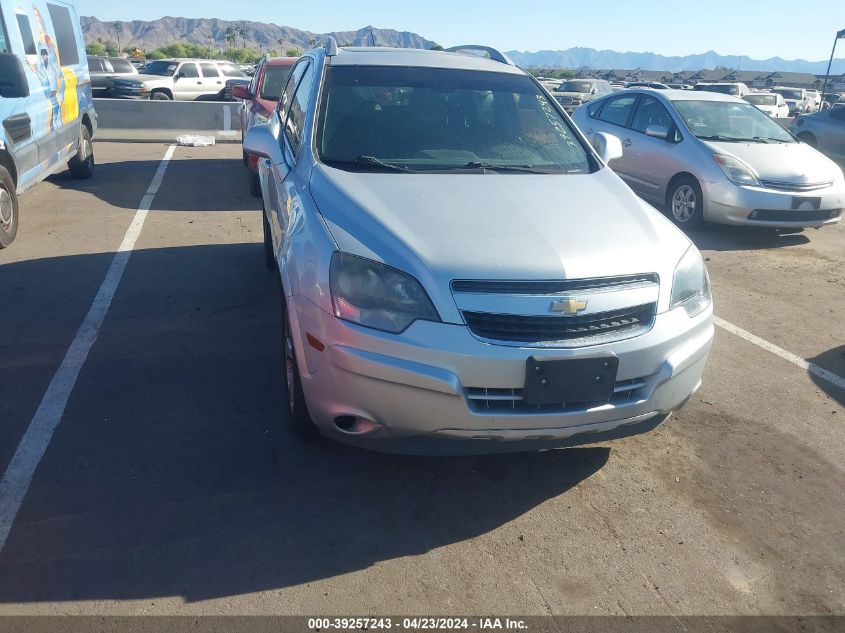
{"type": "Point", "coordinates": [7, 210]}
{"type": "Point", "coordinates": [683, 203]}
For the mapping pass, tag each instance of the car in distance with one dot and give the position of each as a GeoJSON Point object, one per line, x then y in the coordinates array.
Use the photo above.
{"type": "Point", "coordinates": [796, 99]}
{"type": "Point", "coordinates": [258, 101]}
{"type": "Point", "coordinates": [680, 86]}
{"type": "Point", "coordinates": [710, 157]}
{"type": "Point", "coordinates": [733, 88]}
{"type": "Point", "coordinates": [572, 93]}
{"type": "Point", "coordinates": [655, 85]}
{"type": "Point", "coordinates": [45, 102]}
{"type": "Point", "coordinates": [178, 79]}
{"type": "Point", "coordinates": [103, 70]}
{"type": "Point", "coordinates": [816, 98]}
{"type": "Point", "coordinates": [771, 103]}
{"type": "Point", "coordinates": [823, 130]}
{"type": "Point", "coordinates": [439, 289]}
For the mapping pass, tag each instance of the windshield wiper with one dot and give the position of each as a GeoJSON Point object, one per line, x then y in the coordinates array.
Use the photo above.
{"type": "Point", "coordinates": [480, 164]}
{"type": "Point", "coordinates": [368, 161]}
{"type": "Point", "coordinates": [720, 137]}
{"type": "Point", "coordinates": [736, 139]}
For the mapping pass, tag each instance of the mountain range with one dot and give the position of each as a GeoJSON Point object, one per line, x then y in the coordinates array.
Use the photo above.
{"type": "Point", "coordinates": [592, 58]}
{"type": "Point", "coordinates": [168, 30]}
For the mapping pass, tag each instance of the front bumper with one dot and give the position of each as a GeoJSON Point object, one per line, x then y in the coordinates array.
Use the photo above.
{"type": "Point", "coordinates": [727, 203]}
{"type": "Point", "coordinates": [416, 385]}
{"type": "Point", "coordinates": [125, 92]}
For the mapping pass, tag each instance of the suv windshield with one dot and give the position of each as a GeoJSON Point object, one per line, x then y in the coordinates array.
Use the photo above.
{"type": "Point", "coordinates": [789, 94]}
{"type": "Point", "coordinates": [576, 86]}
{"type": "Point", "coordinates": [730, 121]}
{"type": "Point", "coordinates": [162, 68]}
{"type": "Point", "coordinates": [762, 99]}
{"type": "Point", "coordinates": [725, 89]}
{"type": "Point", "coordinates": [275, 78]}
{"type": "Point", "coordinates": [415, 119]}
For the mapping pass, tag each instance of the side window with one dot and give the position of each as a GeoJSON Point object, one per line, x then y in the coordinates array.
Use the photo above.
{"type": "Point", "coordinates": [121, 66]}
{"type": "Point", "coordinates": [651, 112]}
{"type": "Point", "coordinates": [618, 110]}
{"type": "Point", "coordinates": [189, 70]}
{"type": "Point", "coordinates": [26, 34]}
{"type": "Point", "coordinates": [4, 45]}
{"type": "Point", "coordinates": [594, 108]}
{"type": "Point", "coordinates": [295, 123]}
{"type": "Point", "coordinates": [66, 44]}
{"type": "Point", "coordinates": [290, 87]}
{"type": "Point", "coordinates": [95, 64]}
{"type": "Point", "coordinates": [209, 70]}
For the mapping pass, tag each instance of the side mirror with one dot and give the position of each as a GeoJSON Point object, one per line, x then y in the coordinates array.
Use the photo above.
{"type": "Point", "coordinates": [593, 91]}
{"type": "Point", "coordinates": [239, 91]}
{"type": "Point", "coordinates": [608, 146]}
{"type": "Point", "coordinates": [13, 81]}
{"type": "Point", "coordinates": [261, 141]}
{"type": "Point", "coordinates": [657, 131]}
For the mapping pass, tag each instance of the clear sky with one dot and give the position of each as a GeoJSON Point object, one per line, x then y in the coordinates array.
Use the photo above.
{"type": "Point", "coordinates": [755, 28]}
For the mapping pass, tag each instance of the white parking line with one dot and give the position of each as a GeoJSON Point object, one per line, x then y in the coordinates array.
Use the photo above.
{"type": "Point", "coordinates": [37, 438]}
{"type": "Point", "coordinates": [812, 368]}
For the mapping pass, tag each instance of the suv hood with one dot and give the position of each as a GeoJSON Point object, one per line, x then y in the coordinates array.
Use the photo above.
{"type": "Point", "coordinates": [782, 162]}
{"type": "Point", "coordinates": [440, 227]}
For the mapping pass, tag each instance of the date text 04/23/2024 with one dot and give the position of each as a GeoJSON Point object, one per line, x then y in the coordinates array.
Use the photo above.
{"type": "Point", "coordinates": [416, 624]}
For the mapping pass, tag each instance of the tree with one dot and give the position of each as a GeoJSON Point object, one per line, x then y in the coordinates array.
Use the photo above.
{"type": "Point", "coordinates": [95, 48]}
{"type": "Point", "coordinates": [231, 36]}
{"type": "Point", "coordinates": [117, 27]}
{"type": "Point", "coordinates": [293, 52]}
{"type": "Point", "coordinates": [242, 32]}
{"type": "Point", "coordinates": [436, 47]}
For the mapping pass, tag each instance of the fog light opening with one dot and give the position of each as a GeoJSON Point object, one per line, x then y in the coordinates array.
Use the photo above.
{"type": "Point", "coordinates": [354, 425]}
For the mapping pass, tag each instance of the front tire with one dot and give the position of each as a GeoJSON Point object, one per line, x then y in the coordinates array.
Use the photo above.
{"type": "Point", "coordinates": [8, 208]}
{"type": "Point", "coordinates": [161, 96]}
{"type": "Point", "coordinates": [254, 183]}
{"type": "Point", "coordinates": [685, 203]}
{"type": "Point", "coordinates": [269, 258]}
{"type": "Point", "coordinates": [82, 165]}
{"type": "Point", "coordinates": [299, 419]}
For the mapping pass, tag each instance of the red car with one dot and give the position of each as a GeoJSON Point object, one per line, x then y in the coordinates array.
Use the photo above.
{"type": "Point", "coordinates": [259, 101]}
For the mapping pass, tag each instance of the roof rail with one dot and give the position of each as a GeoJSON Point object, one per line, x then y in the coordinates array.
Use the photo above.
{"type": "Point", "coordinates": [330, 45]}
{"type": "Point", "coordinates": [494, 55]}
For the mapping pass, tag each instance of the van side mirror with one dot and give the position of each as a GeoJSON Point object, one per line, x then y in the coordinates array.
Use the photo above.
{"type": "Point", "coordinates": [608, 146]}
{"type": "Point", "coordinates": [13, 81]}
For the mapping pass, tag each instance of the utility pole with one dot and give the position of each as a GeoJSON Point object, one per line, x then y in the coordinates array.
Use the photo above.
{"type": "Point", "coordinates": [839, 36]}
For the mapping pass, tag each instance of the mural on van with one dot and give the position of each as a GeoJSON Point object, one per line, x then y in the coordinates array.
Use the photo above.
{"type": "Point", "coordinates": [58, 83]}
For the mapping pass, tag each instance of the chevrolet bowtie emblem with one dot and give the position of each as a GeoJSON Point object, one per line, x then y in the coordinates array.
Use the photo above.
{"type": "Point", "coordinates": [569, 306]}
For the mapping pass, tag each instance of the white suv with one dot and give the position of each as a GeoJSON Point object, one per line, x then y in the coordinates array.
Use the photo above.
{"type": "Point", "coordinates": [461, 269]}
{"type": "Point", "coordinates": [178, 79]}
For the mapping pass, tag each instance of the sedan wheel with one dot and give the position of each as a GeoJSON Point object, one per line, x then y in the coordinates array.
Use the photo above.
{"type": "Point", "coordinates": [685, 203]}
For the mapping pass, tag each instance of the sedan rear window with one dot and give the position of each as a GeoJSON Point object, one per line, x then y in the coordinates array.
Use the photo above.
{"type": "Point", "coordinates": [419, 119]}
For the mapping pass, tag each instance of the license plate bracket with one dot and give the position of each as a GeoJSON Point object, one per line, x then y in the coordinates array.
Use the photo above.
{"type": "Point", "coordinates": [569, 380]}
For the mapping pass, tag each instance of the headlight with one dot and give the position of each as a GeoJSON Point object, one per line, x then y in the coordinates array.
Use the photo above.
{"type": "Point", "coordinates": [377, 296]}
{"type": "Point", "coordinates": [736, 171]}
{"type": "Point", "coordinates": [691, 283]}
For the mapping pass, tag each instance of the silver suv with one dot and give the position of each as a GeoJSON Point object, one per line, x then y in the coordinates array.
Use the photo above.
{"type": "Point", "coordinates": [574, 92]}
{"type": "Point", "coordinates": [178, 79]}
{"type": "Point", "coordinates": [460, 268]}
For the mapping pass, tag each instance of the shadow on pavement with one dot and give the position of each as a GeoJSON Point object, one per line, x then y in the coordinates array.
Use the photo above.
{"type": "Point", "coordinates": [832, 360]}
{"type": "Point", "coordinates": [172, 474]}
{"type": "Point", "coordinates": [191, 183]}
{"type": "Point", "coordinates": [746, 238]}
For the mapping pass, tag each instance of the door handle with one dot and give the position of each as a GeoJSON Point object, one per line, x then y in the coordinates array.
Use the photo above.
{"type": "Point", "coordinates": [219, 82]}
{"type": "Point", "coordinates": [627, 142]}
{"type": "Point", "coordinates": [199, 83]}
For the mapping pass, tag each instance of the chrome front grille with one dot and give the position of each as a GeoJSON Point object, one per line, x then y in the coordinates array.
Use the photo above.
{"type": "Point", "coordinates": [482, 399]}
{"type": "Point", "coordinates": [794, 186]}
{"type": "Point", "coordinates": [561, 330]}
{"type": "Point", "coordinates": [623, 282]}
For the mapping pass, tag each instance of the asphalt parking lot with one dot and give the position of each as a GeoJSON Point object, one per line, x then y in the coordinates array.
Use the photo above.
{"type": "Point", "coordinates": [171, 484]}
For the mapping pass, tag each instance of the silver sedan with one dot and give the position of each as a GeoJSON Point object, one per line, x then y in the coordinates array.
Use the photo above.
{"type": "Point", "coordinates": [825, 131]}
{"type": "Point", "coordinates": [709, 157]}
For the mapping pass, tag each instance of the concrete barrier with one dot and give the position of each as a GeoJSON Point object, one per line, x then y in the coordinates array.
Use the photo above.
{"type": "Point", "coordinates": [163, 121]}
